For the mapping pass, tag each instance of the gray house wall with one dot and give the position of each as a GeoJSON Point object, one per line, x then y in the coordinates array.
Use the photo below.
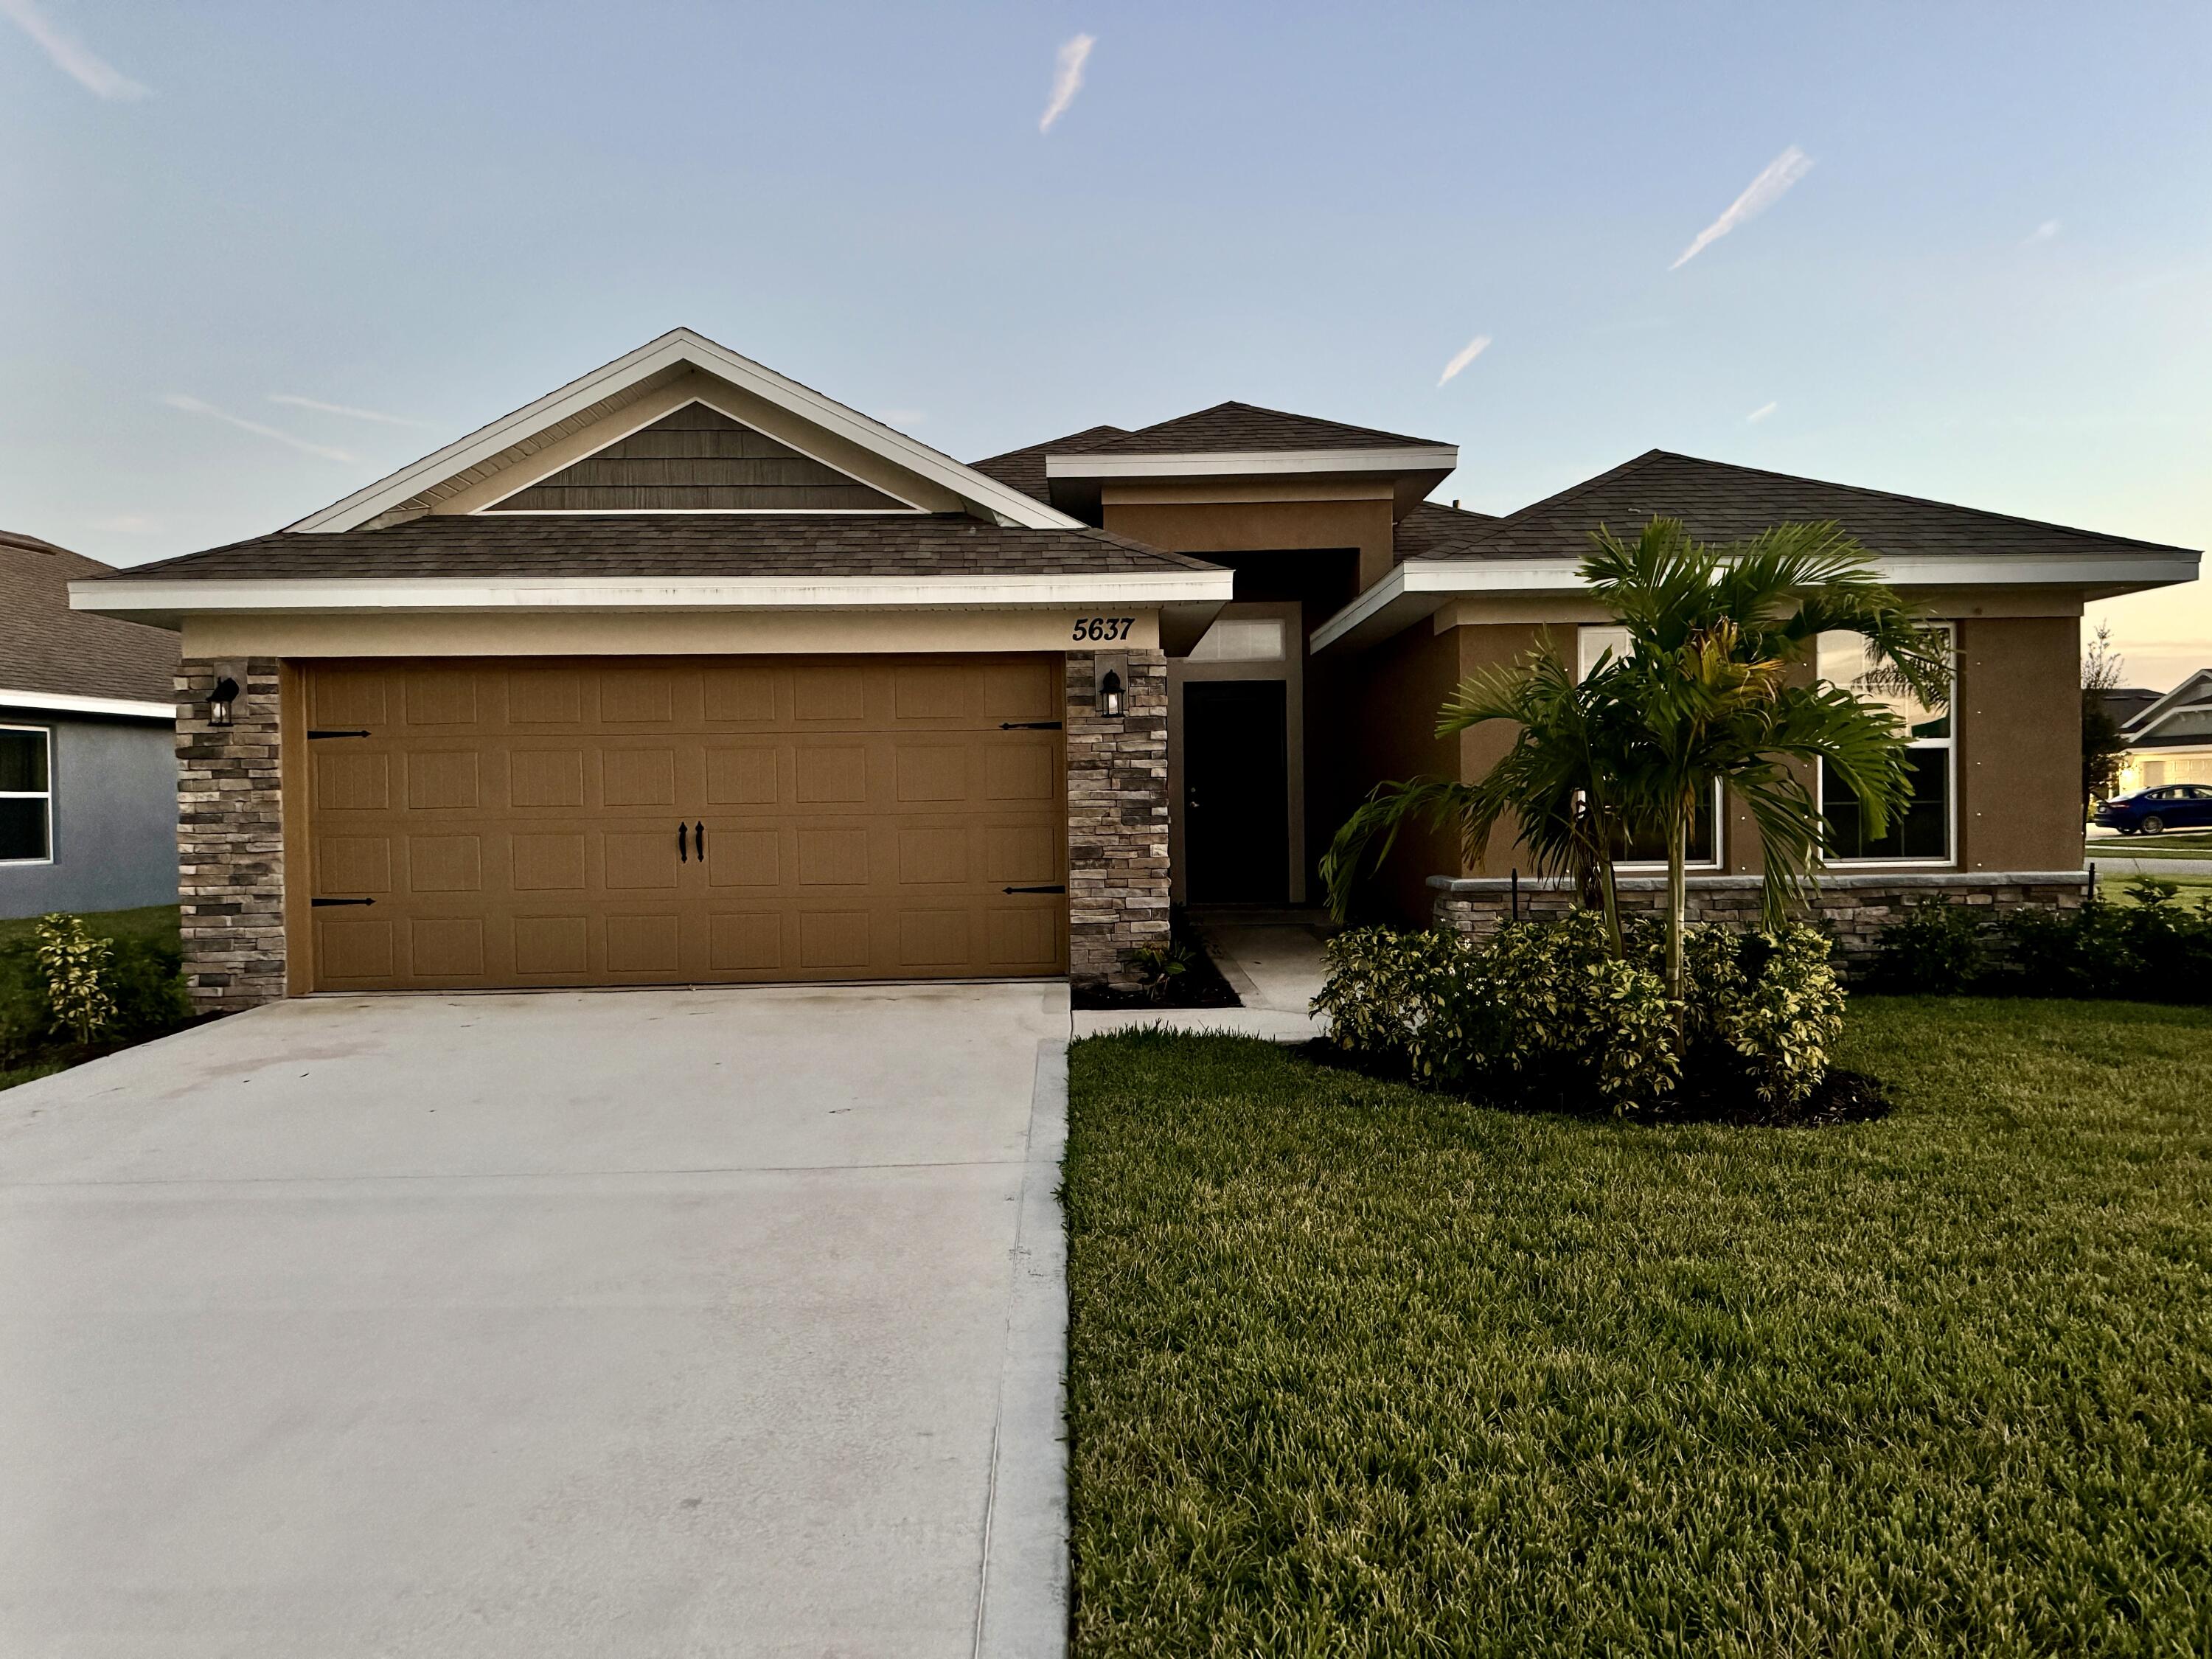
{"type": "Point", "coordinates": [114, 818]}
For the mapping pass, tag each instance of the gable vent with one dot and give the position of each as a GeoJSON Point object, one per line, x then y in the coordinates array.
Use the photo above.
{"type": "Point", "coordinates": [698, 460]}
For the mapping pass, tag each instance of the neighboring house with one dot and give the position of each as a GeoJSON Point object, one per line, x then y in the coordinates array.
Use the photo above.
{"type": "Point", "coordinates": [685, 673]}
{"type": "Point", "coordinates": [87, 762]}
{"type": "Point", "coordinates": [2169, 737]}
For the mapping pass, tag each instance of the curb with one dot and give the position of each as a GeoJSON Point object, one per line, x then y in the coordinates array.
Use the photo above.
{"type": "Point", "coordinates": [1022, 1604]}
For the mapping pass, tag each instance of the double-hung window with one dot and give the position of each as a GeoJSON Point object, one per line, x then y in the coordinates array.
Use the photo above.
{"type": "Point", "coordinates": [1923, 832]}
{"type": "Point", "coordinates": [1703, 849]}
{"type": "Point", "coordinates": [25, 794]}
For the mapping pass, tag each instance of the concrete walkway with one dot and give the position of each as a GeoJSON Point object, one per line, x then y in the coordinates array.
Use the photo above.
{"type": "Point", "coordinates": [652, 1323]}
{"type": "Point", "coordinates": [1275, 968]}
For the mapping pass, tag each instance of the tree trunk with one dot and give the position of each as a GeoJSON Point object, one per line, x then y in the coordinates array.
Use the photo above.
{"type": "Point", "coordinates": [1678, 897]}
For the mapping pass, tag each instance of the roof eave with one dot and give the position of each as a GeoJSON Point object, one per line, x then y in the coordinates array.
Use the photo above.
{"type": "Point", "coordinates": [1419, 587]}
{"type": "Point", "coordinates": [171, 600]}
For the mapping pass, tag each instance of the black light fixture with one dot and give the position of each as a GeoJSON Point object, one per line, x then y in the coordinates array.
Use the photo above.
{"type": "Point", "coordinates": [220, 699]}
{"type": "Point", "coordinates": [1110, 695]}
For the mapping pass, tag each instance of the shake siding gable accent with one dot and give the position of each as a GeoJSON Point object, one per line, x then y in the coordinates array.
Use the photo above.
{"type": "Point", "coordinates": [697, 459]}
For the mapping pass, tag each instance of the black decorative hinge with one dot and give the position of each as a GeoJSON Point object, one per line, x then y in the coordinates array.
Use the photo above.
{"type": "Point", "coordinates": [1054, 888]}
{"type": "Point", "coordinates": [340, 735]}
{"type": "Point", "coordinates": [319, 903]}
{"type": "Point", "coordinates": [1029, 726]}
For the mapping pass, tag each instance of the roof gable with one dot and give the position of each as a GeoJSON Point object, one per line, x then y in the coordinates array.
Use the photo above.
{"type": "Point", "coordinates": [681, 365]}
{"type": "Point", "coordinates": [2194, 688]}
{"type": "Point", "coordinates": [697, 459]}
{"type": "Point", "coordinates": [1023, 469]}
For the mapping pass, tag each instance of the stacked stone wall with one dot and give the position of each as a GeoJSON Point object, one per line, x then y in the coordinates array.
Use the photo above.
{"type": "Point", "coordinates": [230, 836]}
{"type": "Point", "coordinates": [1853, 908]}
{"type": "Point", "coordinates": [1117, 819]}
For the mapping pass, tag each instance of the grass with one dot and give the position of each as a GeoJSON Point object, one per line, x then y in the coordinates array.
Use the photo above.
{"type": "Point", "coordinates": [2194, 890]}
{"type": "Point", "coordinates": [1358, 1370]}
{"type": "Point", "coordinates": [157, 922]}
{"type": "Point", "coordinates": [2173, 845]}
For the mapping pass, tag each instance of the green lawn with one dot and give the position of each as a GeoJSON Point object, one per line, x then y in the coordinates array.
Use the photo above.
{"type": "Point", "coordinates": [153, 921]}
{"type": "Point", "coordinates": [2176, 845]}
{"type": "Point", "coordinates": [1357, 1369]}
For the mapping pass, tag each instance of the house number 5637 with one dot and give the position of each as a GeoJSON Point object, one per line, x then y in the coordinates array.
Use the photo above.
{"type": "Point", "coordinates": [1103, 628]}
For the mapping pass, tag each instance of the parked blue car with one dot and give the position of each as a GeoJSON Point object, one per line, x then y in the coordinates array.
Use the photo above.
{"type": "Point", "coordinates": [2152, 811]}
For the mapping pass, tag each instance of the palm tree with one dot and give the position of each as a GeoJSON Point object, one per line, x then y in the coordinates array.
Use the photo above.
{"type": "Point", "coordinates": [1702, 697]}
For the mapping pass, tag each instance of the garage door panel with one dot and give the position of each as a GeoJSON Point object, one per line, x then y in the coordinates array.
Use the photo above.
{"type": "Point", "coordinates": [517, 822]}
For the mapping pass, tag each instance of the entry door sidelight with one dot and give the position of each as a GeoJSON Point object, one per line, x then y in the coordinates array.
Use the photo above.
{"type": "Point", "coordinates": [1236, 783]}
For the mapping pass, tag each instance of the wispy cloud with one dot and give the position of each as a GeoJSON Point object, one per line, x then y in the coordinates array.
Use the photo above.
{"type": "Point", "coordinates": [1467, 355]}
{"type": "Point", "coordinates": [94, 74]}
{"type": "Point", "coordinates": [347, 410]}
{"type": "Point", "coordinates": [1763, 193]}
{"type": "Point", "coordinates": [195, 406]}
{"type": "Point", "coordinates": [904, 418]}
{"type": "Point", "coordinates": [1066, 78]}
{"type": "Point", "coordinates": [2042, 232]}
{"type": "Point", "coordinates": [1761, 412]}
{"type": "Point", "coordinates": [129, 524]}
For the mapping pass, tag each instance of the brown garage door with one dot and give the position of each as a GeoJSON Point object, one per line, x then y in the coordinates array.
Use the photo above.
{"type": "Point", "coordinates": [648, 821]}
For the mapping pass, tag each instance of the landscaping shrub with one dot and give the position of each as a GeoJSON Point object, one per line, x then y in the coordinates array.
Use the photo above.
{"type": "Point", "coordinates": [2155, 949]}
{"type": "Point", "coordinates": [68, 991]}
{"type": "Point", "coordinates": [1544, 1012]}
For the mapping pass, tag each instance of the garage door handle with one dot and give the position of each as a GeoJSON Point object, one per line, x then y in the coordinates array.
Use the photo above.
{"type": "Point", "coordinates": [1029, 726]}
{"type": "Point", "coordinates": [699, 840]}
{"type": "Point", "coordinates": [319, 903]}
{"type": "Point", "coordinates": [1054, 888]}
{"type": "Point", "coordinates": [682, 846]}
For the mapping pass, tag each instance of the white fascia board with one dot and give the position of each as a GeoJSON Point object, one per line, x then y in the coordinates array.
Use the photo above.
{"type": "Point", "coordinates": [2146, 727]}
{"type": "Point", "coordinates": [1420, 587]}
{"type": "Point", "coordinates": [110, 597]}
{"type": "Point", "coordinates": [683, 346]}
{"type": "Point", "coordinates": [62, 703]}
{"type": "Point", "coordinates": [1248, 463]}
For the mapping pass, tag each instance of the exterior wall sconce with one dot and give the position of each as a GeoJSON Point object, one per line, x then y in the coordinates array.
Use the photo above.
{"type": "Point", "coordinates": [1110, 695]}
{"type": "Point", "coordinates": [220, 699]}
{"type": "Point", "coordinates": [1110, 684]}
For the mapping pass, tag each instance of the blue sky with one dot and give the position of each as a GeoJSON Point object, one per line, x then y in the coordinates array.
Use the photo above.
{"type": "Point", "coordinates": [1987, 276]}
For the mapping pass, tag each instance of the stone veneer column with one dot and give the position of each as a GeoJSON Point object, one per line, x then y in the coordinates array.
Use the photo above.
{"type": "Point", "coordinates": [1117, 819]}
{"type": "Point", "coordinates": [230, 838]}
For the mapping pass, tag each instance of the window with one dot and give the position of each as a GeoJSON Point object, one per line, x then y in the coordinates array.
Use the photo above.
{"type": "Point", "coordinates": [25, 795]}
{"type": "Point", "coordinates": [1921, 833]}
{"type": "Point", "coordinates": [1702, 850]}
{"type": "Point", "coordinates": [1241, 640]}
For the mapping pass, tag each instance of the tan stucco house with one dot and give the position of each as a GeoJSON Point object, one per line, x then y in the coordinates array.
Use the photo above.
{"type": "Point", "coordinates": [687, 674]}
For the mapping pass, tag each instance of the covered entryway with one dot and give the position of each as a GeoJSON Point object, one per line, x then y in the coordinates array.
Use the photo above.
{"type": "Point", "coordinates": [512, 821]}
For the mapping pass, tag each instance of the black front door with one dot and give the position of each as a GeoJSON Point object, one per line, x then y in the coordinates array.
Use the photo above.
{"type": "Point", "coordinates": [1235, 793]}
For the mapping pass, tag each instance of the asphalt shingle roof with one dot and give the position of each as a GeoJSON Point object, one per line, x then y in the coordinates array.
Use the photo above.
{"type": "Point", "coordinates": [691, 544]}
{"type": "Point", "coordinates": [47, 646]}
{"type": "Point", "coordinates": [1232, 427]}
{"type": "Point", "coordinates": [1722, 502]}
{"type": "Point", "coordinates": [1428, 525]}
{"type": "Point", "coordinates": [1023, 469]}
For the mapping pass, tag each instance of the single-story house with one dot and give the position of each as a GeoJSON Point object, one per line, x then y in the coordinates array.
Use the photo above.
{"type": "Point", "coordinates": [686, 672]}
{"type": "Point", "coordinates": [2169, 737]}
{"type": "Point", "coordinates": [88, 743]}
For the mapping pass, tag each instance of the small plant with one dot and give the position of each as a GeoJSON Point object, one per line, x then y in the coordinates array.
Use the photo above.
{"type": "Point", "coordinates": [75, 967]}
{"type": "Point", "coordinates": [1159, 966]}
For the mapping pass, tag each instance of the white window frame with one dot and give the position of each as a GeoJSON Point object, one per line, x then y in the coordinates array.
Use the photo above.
{"type": "Point", "coordinates": [1948, 744]}
{"type": "Point", "coordinates": [1586, 659]}
{"type": "Point", "coordinates": [47, 734]}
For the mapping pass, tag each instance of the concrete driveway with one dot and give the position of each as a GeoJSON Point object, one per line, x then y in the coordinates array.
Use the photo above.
{"type": "Point", "coordinates": [616, 1322]}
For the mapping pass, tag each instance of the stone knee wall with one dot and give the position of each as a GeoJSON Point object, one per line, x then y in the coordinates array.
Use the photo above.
{"type": "Point", "coordinates": [1117, 819]}
{"type": "Point", "coordinates": [230, 837]}
{"type": "Point", "coordinates": [1854, 909]}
